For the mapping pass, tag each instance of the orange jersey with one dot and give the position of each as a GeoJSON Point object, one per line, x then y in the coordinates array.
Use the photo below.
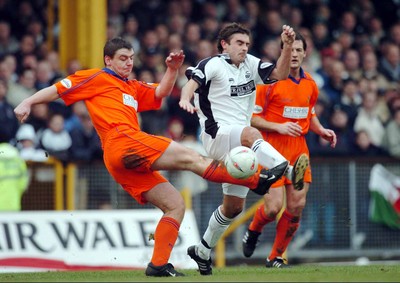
{"type": "Point", "coordinates": [113, 104]}
{"type": "Point", "coordinates": [288, 100]}
{"type": "Point", "coordinates": [111, 101]}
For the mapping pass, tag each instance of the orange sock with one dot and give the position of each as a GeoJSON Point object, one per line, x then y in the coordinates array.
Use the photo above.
{"type": "Point", "coordinates": [285, 230]}
{"type": "Point", "coordinates": [164, 240]}
{"type": "Point", "coordinates": [216, 172]}
{"type": "Point", "coordinates": [260, 219]}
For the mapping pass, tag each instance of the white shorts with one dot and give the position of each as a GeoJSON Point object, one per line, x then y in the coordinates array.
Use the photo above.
{"type": "Point", "coordinates": [227, 137]}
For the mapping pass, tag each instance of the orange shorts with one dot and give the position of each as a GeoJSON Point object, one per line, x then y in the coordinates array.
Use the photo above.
{"type": "Point", "coordinates": [290, 148]}
{"type": "Point", "coordinates": [128, 156]}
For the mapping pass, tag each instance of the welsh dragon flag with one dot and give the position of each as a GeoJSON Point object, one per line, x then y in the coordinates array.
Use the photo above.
{"type": "Point", "coordinates": [384, 188]}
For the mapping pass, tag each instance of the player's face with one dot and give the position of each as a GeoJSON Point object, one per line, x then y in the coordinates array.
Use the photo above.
{"type": "Point", "coordinates": [122, 62]}
{"type": "Point", "coordinates": [298, 54]}
{"type": "Point", "coordinates": [237, 48]}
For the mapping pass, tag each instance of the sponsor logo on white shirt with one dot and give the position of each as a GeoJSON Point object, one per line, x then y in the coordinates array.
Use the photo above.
{"type": "Point", "coordinates": [295, 112]}
{"type": "Point", "coordinates": [129, 100]}
{"type": "Point", "coordinates": [244, 89]}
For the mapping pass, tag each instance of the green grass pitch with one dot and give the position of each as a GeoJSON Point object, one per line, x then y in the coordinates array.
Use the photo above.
{"type": "Point", "coordinates": [298, 273]}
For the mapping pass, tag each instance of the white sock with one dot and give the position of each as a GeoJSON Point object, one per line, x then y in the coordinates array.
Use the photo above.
{"type": "Point", "coordinates": [216, 227]}
{"type": "Point", "coordinates": [266, 154]}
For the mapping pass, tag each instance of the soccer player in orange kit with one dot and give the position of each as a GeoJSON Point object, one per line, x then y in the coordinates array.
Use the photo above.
{"type": "Point", "coordinates": [284, 113]}
{"type": "Point", "coordinates": [132, 156]}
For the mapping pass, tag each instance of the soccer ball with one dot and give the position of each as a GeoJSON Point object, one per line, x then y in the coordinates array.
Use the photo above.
{"type": "Point", "coordinates": [241, 162]}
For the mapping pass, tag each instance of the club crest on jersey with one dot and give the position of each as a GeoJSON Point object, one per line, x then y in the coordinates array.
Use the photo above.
{"type": "Point", "coordinates": [257, 109]}
{"type": "Point", "coordinates": [66, 83]}
{"type": "Point", "coordinates": [129, 100]}
{"type": "Point", "coordinates": [247, 75]}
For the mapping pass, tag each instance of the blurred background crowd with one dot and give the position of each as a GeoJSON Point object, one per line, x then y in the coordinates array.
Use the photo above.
{"type": "Point", "coordinates": [353, 54]}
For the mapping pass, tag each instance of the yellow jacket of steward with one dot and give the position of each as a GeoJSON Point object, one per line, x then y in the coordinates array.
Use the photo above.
{"type": "Point", "coordinates": [13, 178]}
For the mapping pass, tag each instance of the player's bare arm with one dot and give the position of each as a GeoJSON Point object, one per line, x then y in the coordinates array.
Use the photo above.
{"type": "Point", "coordinates": [282, 68]}
{"type": "Point", "coordinates": [288, 128]}
{"type": "Point", "coordinates": [187, 95]}
{"type": "Point", "coordinates": [327, 134]}
{"type": "Point", "coordinates": [174, 61]}
{"type": "Point", "coordinates": [45, 95]}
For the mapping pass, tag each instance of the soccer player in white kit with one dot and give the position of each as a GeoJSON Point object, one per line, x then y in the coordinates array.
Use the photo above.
{"type": "Point", "coordinates": [224, 88]}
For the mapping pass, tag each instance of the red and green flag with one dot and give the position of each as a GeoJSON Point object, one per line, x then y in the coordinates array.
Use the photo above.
{"type": "Point", "coordinates": [384, 187]}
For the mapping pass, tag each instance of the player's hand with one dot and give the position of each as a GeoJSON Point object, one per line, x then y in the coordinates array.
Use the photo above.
{"type": "Point", "coordinates": [175, 60]}
{"type": "Point", "coordinates": [329, 136]}
{"type": "Point", "coordinates": [290, 129]}
{"type": "Point", "coordinates": [288, 35]}
{"type": "Point", "coordinates": [22, 112]}
{"type": "Point", "coordinates": [186, 105]}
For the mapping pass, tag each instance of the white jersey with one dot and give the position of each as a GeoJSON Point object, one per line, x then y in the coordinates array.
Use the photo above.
{"type": "Point", "coordinates": [226, 95]}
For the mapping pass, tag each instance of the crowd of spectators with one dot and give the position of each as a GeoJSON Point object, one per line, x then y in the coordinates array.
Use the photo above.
{"type": "Point", "coordinates": [353, 54]}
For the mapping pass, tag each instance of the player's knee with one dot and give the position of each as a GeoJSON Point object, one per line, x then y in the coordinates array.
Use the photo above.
{"type": "Point", "coordinates": [181, 211]}
{"type": "Point", "coordinates": [181, 205]}
{"type": "Point", "coordinates": [236, 212]}
{"type": "Point", "coordinates": [177, 208]}
{"type": "Point", "coordinates": [272, 210]}
{"type": "Point", "coordinates": [182, 157]}
{"type": "Point", "coordinates": [296, 208]}
{"type": "Point", "coordinates": [232, 210]}
{"type": "Point", "coordinates": [249, 136]}
{"type": "Point", "coordinates": [297, 205]}
{"type": "Point", "coordinates": [190, 158]}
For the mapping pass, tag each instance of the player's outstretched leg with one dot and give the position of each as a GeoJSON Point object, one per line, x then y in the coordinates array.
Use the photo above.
{"type": "Point", "coordinates": [299, 169]}
{"type": "Point", "coordinates": [270, 176]}
{"type": "Point", "coordinates": [259, 183]}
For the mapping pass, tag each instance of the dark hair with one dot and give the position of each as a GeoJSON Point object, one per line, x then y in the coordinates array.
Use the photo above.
{"type": "Point", "coordinates": [299, 36]}
{"type": "Point", "coordinates": [115, 44]}
{"type": "Point", "coordinates": [229, 30]}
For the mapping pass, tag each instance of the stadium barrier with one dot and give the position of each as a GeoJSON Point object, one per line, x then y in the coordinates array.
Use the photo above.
{"type": "Point", "coordinates": [46, 189]}
{"type": "Point", "coordinates": [336, 221]}
{"type": "Point", "coordinates": [120, 239]}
